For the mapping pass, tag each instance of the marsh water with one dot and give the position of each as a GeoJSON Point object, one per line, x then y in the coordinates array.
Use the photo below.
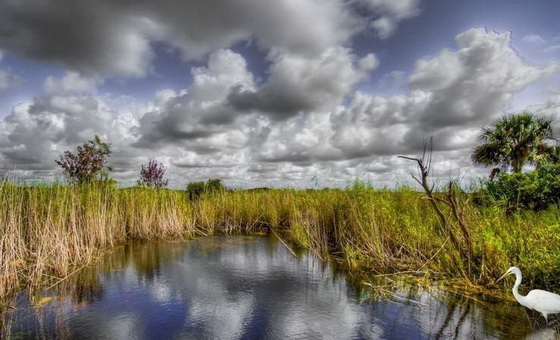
{"type": "Point", "coordinates": [240, 287]}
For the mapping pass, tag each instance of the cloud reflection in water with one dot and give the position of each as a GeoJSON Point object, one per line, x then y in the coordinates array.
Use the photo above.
{"type": "Point", "coordinates": [244, 288]}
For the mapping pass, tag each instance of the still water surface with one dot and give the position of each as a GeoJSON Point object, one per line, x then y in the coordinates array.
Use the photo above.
{"type": "Point", "coordinates": [239, 287]}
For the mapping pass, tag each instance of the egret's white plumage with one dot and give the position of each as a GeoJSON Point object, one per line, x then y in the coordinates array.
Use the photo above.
{"type": "Point", "coordinates": [542, 301]}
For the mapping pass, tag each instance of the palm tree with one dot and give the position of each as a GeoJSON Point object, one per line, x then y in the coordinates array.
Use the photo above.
{"type": "Point", "coordinates": [514, 141]}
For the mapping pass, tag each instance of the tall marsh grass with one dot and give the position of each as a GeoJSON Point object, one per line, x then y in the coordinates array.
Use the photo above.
{"type": "Point", "coordinates": [50, 232]}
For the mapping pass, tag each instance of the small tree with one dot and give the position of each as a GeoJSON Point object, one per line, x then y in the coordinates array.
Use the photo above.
{"type": "Point", "coordinates": [152, 175]}
{"type": "Point", "coordinates": [86, 166]}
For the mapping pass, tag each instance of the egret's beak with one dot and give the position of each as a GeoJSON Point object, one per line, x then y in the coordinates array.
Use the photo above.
{"type": "Point", "coordinates": [501, 277]}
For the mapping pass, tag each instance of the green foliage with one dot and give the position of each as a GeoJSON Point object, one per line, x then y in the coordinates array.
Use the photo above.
{"type": "Point", "coordinates": [535, 190]}
{"type": "Point", "coordinates": [214, 185]}
{"type": "Point", "coordinates": [514, 141]}
{"type": "Point", "coordinates": [197, 189]}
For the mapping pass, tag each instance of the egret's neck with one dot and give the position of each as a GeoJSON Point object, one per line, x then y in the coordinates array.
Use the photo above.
{"type": "Point", "coordinates": [520, 298]}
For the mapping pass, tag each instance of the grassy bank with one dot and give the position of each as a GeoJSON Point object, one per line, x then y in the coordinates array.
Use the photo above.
{"type": "Point", "coordinates": [49, 232]}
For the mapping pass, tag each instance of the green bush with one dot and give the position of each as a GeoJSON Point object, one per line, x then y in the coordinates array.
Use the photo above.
{"type": "Point", "coordinates": [196, 189]}
{"type": "Point", "coordinates": [535, 190]}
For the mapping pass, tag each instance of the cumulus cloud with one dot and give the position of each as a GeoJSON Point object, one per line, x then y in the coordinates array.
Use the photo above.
{"type": "Point", "coordinates": [304, 125]}
{"type": "Point", "coordinates": [200, 116]}
{"type": "Point", "coordinates": [37, 132]}
{"type": "Point", "coordinates": [473, 85]}
{"type": "Point", "coordinates": [299, 84]}
{"type": "Point", "coordinates": [550, 108]}
{"type": "Point", "coordinates": [301, 139]}
{"type": "Point", "coordinates": [453, 95]}
{"type": "Point", "coordinates": [192, 129]}
{"type": "Point", "coordinates": [114, 37]}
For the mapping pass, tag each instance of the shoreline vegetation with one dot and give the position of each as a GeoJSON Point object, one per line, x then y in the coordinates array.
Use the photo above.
{"type": "Point", "coordinates": [50, 232]}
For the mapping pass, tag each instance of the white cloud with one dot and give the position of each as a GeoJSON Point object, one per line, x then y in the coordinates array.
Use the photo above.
{"type": "Point", "coordinates": [454, 94]}
{"type": "Point", "coordinates": [71, 83]}
{"type": "Point", "coordinates": [550, 108]}
{"type": "Point", "coordinates": [298, 84]}
{"type": "Point", "coordinates": [384, 26]}
{"type": "Point", "coordinates": [37, 132]}
{"type": "Point", "coordinates": [369, 62]}
{"type": "Point", "coordinates": [534, 39]}
{"type": "Point", "coordinates": [552, 48]}
{"type": "Point", "coordinates": [304, 122]}
{"type": "Point", "coordinates": [201, 111]}
{"type": "Point", "coordinates": [389, 13]}
{"type": "Point", "coordinates": [474, 84]}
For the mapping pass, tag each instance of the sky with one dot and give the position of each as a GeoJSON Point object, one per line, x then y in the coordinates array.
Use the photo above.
{"type": "Point", "coordinates": [284, 93]}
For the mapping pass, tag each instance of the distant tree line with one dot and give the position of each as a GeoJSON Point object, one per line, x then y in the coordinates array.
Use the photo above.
{"type": "Point", "coordinates": [508, 145]}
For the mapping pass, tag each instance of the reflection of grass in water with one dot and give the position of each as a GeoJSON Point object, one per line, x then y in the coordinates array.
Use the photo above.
{"type": "Point", "coordinates": [84, 288]}
{"type": "Point", "coordinates": [224, 242]}
{"type": "Point", "coordinates": [454, 314]}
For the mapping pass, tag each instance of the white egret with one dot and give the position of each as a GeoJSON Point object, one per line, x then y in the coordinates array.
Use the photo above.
{"type": "Point", "coordinates": [540, 300]}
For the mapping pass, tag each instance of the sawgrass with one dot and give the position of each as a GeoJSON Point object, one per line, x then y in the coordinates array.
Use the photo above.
{"type": "Point", "coordinates": [49, 232]}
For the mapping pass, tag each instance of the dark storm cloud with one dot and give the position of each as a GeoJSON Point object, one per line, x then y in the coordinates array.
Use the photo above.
{"type": "Point", "coordinates": [113, 37]}
{"type": "Point", "coordinates": [83, 35]}
{"type": "Point", "coordinates": [279, 105]}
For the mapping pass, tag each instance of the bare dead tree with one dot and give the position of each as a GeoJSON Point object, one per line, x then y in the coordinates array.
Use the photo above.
{"type": "Point", "coordinates": [454, 230]}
